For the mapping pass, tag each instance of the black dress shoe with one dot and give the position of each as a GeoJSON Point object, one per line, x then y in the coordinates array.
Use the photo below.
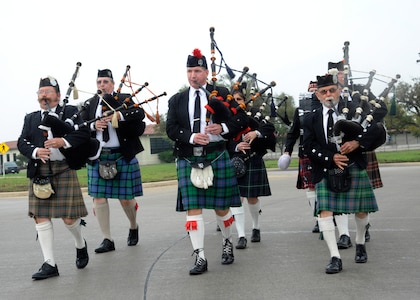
{"type": "Point", "coordinates": [344, 242]}
{"type": "Point", "coordinates": [241, 243]}
{"type": "Point", "coordinates": [46, 271]}
{"type": "Point", "coordinates": [106, 246]}
{"type": "Point", "coordinates": [218, 228]}
{"type": "Point", "coordinates": [334, 266]}
{"type": "Point", "coordinates": [82, 257]}
{"type": "Point", "coordinates": [316, 228]}
{"type": "Point", "coordinates": [361, 254]}
{"type": "Point", "coordinates": [227, 255]}
{"type": "Point", "coordinates": [367, 236]}
{"type": "Point", "coordinates": [255, 236]}
{"type": "Point", "coordinates": [133, 237]}
{"type": "Point", "coordinates": [199, 267]}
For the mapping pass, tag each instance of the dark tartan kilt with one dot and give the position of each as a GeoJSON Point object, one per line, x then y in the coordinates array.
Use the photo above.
{"type": "Point", "coordinates": [67, 202]}
{"type": "Point", "coordinates": [360, 198]}
{"type": "Point", "coordinates": [224, 192]}
{"type": "Point", "coordinates": [304, 180]}
{"type": "Point", "coordinates": [373, 170]}
{"type": "Point", "coordinates": [255, 181]}
{"type": "Point", "coordinates": [125, 185]}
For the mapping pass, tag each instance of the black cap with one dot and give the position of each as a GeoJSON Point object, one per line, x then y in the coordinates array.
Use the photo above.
{"type": "Point", "coordinates": [105, 73]}
{"type": "Point", "coordinates": [326, 80]}
{"type": "Point", "coordinates": [197, 59]}
{"type": "Point", "coordinates": [49, 81]}
{"type": "Point", "coordinates": [338, 65]}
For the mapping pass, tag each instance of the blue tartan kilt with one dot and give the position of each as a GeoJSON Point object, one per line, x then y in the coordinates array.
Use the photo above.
{"type": "Point", "coordinates": [360, 197]}
{"type": "Point", "coordinates": [224, 192]}
{"type": "Point", "coordinates": [255, 181]}
{"type": "Point", "coordinates": [125, 185]}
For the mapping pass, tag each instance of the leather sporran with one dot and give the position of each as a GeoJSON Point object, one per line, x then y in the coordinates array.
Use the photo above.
{"type": "Point", "coordinates": [201, 174]}
{"type": "Point", "coordinates": [42, 187]}
{"type": "Point", "coordinates": [108, 169]}
{"type": "Point", "coordinates": [339, 180]}
{"type": "Point", "coordinates": [239, 166]}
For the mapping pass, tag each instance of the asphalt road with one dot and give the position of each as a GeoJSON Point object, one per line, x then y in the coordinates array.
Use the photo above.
{"type": "Point", "coordinates": [287, 264]}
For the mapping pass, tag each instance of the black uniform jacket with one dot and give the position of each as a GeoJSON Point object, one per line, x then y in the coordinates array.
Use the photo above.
{"type": "Point", "coordinates": [33, 137]}
{"type": "Point", "coordinates": [178, 121]}
{"type": "Point", "coordinates": [129, 130]}
{"type": "Point", "coordinates": [321, 154]}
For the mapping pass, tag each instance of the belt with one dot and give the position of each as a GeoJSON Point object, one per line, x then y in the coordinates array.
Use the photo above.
{"type": "Point", "coordinates": [210, 148]}
{"type": "Point", "coordinates": [110, 150]}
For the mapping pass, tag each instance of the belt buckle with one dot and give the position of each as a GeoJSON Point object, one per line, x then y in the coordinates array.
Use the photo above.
{"type": "Point", "coordinates": [198, 151]}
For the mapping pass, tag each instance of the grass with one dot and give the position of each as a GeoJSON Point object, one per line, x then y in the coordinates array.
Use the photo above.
{"type": "Point", "coordinates": [166, 171]}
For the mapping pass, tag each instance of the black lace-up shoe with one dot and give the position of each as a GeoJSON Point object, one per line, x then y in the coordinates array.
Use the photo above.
{"type": "Point", "coordinates": [344, 242]}
{"type": "Point", "coordinates": [361, 254]}
{"type": "Point", "coordinates": [367, 236]}
{"type": "Point", "coordinates": [241, 243]}
{"type": "Point", "coordinates": [227, 255]}
{"type": "Point", "coordinates": [46, 271]}
{"type": "Point", "coordinates": [334, 266]}
{"type": "Point", "coordinates": [105, 246]}
{"type": "Point", "coordinates": [255, 236]}
{"type": "Point", "coordinates": [200, 265]}
{"type": "Point", "coordinates": [133, 237]}
{"type": "Point", "coordinates": [82, 257]}
{"type": "Point", "coordinates": [316, 228]}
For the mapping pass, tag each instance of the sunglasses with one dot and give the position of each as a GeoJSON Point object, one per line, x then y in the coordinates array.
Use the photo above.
{"type": "Point", "coordinates": [331, 90]}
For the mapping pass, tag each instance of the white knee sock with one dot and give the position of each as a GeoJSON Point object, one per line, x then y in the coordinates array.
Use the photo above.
{"type": "Point", "coordinates": [311, 198]}
{"type": "Point", "coordinates": [196, 230]}
{"type": "Point", "coordinates": [239, 214]}
{"type": "Point", "coordinates": [46, 239]}
{"type": "Point", "coordinates": [131, 212]}
{"type": "Point", "coordinates": [76, 230]}
{"type": "Point", "coordinates": [326, 226]}
{"type": "Point", "coordinates": [225, 223]}
{"type": "Point", "coordinates": [254, 210]}
{"type": "Point", "coordinates": [102, 215]}
{"type": "Point", "coordinates": [342, 222]}
{"type": "Point", "coordinates": [361, 229]}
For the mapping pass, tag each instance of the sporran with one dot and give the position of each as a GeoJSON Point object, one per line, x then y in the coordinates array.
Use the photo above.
{"type": "Point", "coordinates": [42, 187]}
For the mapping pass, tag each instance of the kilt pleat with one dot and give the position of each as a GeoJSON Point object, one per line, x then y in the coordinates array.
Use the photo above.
{"type": "Point", "coordinates": [67, 202]}
{"type": "Point", "coordinates": [360, 197]}
{"type": "Point", "coordinates": [224, 192]}
{"type": "Point", "coordinates": [125, 185]}
{"type": "Point", "coordinates": [373, 170]}
{"type": "Point", "coordinates": [255, 181]}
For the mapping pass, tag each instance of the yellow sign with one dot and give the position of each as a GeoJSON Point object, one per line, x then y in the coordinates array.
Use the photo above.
{"type": "Point", "coordinates": [4, 148]}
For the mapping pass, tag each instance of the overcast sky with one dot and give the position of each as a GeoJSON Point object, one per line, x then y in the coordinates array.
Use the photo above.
{"type": "Point", "coordinates": [289, 42]}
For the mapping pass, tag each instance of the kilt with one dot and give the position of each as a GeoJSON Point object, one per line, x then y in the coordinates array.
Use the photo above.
{"type": "Point", "coordinates": [67, 202]}
{"type": "Point", "coordinates": [373, 170]}
{"type": "Point", "coordinates": [224, 192]}
{"type": "Point", "coordinates": [360, 197]}
{"type": "Point", "coordinates": [304, 180]}
{"type": "Point", "coordinates": [255, 181]}
{"type": "Point", "coordinates": [125, 185]}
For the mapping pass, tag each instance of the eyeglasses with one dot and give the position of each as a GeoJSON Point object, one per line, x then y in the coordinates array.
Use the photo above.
{"type": "Point", "coordinates": [331, 90]}
{"type": "Point", "coordinates": [47, 92]}
{"type": "Point", "coordinates": [239, 99]}
{"type": "Point", "coordinates": [105, 81]}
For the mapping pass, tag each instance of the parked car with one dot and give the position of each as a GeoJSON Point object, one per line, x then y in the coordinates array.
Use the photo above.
{"type": "Point", "coordinates": [10, 167]}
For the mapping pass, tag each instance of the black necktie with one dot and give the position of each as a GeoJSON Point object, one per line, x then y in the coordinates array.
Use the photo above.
{"type": "Point", "coordinates": [105, 135]}
{"type": "Point", "coordinates": [330, 124]}
{"type": "Point", "coordinates": [197, 112]}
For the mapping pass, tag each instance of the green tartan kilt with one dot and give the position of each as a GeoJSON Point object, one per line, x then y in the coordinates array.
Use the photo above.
{"type": "Point", "coordinates": [67, 202]}
{"type": "Point", "coordinates": [224, 192]}
{"type": "Point", "coordinates": [360, 197]}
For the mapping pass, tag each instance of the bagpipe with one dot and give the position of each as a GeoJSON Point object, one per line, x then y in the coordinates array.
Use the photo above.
{"type": "Point", "coordinates": [367, 108]}
{"type": "Point", "coordinates": [76, 157]}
